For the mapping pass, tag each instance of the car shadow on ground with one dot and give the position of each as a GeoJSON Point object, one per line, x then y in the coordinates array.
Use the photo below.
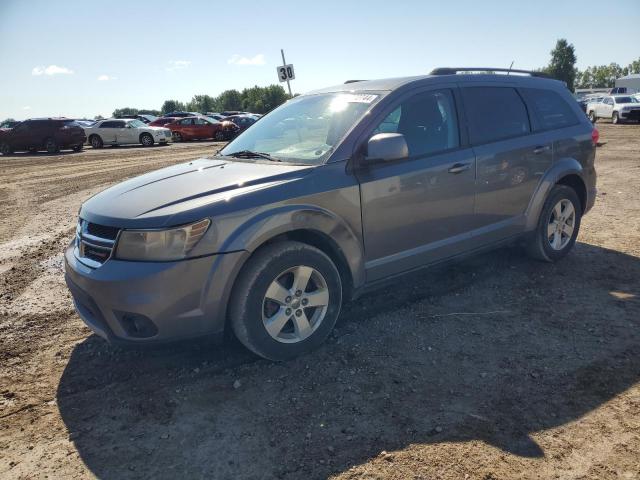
{"type": "Point", "coordinates": [495, 349]}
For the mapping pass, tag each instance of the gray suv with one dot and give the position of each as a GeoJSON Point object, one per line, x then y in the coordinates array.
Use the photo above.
{"type": "Point", "coordinates": [328, 195]}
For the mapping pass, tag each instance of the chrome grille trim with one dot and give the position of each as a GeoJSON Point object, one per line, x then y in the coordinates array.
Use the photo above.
{"type": "Point", "coordinates": [84, 239]}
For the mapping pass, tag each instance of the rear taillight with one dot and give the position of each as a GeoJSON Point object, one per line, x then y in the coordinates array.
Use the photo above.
{"type": "Point", "coordinates": [595, 136]}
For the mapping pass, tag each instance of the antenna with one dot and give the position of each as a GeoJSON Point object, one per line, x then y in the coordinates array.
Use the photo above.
{"type": "Point", "coordinates": [510, 66]}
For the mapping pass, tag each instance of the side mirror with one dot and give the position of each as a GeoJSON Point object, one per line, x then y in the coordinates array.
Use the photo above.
{"type": "Point", "coordinates": [387, 146]}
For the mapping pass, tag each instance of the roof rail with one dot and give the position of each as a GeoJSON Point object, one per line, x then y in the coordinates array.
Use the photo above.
{"type": "Point", "coordinates": [455, 70]}
{"type": "Point", "coordinates": [354, 81]}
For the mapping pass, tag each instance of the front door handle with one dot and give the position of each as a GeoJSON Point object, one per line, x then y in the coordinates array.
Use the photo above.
{"type": "Point", "coordinates": [541, 149]}
{"type": "Point", "coordinates": [459, 167]}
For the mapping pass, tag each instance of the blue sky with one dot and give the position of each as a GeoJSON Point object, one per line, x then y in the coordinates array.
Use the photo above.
{"type": "Point", "coordinates": [83, 58]}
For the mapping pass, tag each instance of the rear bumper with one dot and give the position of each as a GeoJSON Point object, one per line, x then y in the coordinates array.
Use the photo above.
{"type": "Point", "coordinates": [153, 302]}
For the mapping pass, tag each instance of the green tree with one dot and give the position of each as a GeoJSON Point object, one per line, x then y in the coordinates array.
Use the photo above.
{"type": "Point", "coordinates": [633, 67]}
{"type": "Point", "coordinates": [201, 103]}
{"type": "Point", "coordinates": [263, 99]}
{"type": "Point", "coordinates": [229, 100]}
{"type": "Point", "coordinates": [118, 112]}
{"type": "Point", "coordinates": [563, 63]}
{"type": "Point", "coordinates": [601, 76]}
{"type": "Point", "coordinates": [171, 106]}
{"type": "Point", "coordinates": [98, 117]}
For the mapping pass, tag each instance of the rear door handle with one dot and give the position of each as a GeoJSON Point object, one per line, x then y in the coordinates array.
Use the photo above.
{"type": "Point", "coordinates": [459, 167]}
{"type": "Point", "coordinates": [541, 149]}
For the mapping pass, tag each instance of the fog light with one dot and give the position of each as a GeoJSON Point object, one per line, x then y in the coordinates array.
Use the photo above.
{"type": "Point", "coordinates": [138, 326]}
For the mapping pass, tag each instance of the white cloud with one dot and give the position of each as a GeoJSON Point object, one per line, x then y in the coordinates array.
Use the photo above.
{"type": "Point", "coordinates": [239, 60]}
{"type": "Point", "coordinates": [178, 65]}
{"type": "Point", "coordinates": [106, 78]}
{"type": "Point", "coordinates": [51, 70]}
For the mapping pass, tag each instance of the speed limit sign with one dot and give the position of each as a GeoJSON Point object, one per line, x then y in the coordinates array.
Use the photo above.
{"type": "Point", "coordinates": [286, 73]}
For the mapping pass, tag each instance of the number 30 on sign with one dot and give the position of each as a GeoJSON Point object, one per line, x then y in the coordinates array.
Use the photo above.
{"type": "Point", "coordinates": [285, 72]}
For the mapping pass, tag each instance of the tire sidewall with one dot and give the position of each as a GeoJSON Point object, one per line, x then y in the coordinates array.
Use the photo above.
{"type": "Point", "coordinates": [96, 141]}
{"type": "Point", "coordinates": [51, 145]}
{"type": "Point", "coordinates": [149, 141]}
{"type": "Point", "coordinates": [247, 314]}
{"type": "Point", "coordinates": [558, 193]}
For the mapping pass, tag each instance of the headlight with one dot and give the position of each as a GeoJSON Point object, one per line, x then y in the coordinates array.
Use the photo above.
{"type": "Point", "coordinates": [160, 245]}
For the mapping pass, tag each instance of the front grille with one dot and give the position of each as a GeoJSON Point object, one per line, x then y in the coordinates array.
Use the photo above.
{"type": "Point", "coordinates": [94, 243]}
{"type": "Point", "coordinates": [102, 231]}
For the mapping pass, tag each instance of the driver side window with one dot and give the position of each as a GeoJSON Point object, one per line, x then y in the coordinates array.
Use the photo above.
{"type": "Point", "coordinates": [428, 122]}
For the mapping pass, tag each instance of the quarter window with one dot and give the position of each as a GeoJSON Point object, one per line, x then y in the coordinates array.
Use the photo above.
{"type": "Point", "coordinates": [428, 122]}
{"type": "Point", "coordinates": [550, 109]}
{"type": "Point", "coordinates": [494, 113]}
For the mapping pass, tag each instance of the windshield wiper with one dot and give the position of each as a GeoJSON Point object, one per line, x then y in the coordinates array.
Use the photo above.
{"type": "Point", "coordinates": [252, 154]}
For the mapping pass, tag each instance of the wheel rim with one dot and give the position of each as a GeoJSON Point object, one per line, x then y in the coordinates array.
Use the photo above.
{"type": "Point", "coordinates": [146, 140]}
{"type": "Point", "coordinates": [295, 304]}
{"type": "Point", "coordinates": [562, 223]}
{"type": "Point", "coordinates": [50, 146]}
{"type": "Point", "coordinates": [615, 118]}
{"type": "Point", "coordinates": [95, 142]}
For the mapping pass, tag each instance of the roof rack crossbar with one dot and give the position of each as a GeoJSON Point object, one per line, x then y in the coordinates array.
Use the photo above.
{"type": "Point", "coordinates": [454, 70]}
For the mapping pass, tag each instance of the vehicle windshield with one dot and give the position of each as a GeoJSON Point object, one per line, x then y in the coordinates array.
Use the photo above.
{"type": "Point", "coordinates": [625, 100]}
{"type": "Point", "coordinates": [137, 124]}
{"type": "Point", "coordinates": [305, 129]}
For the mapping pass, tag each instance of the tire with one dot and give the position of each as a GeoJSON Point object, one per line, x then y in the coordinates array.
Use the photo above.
{"type": "Point", "coordinates": [146, 140]}
{"type": "Point", "coordinates": [177, 137]}
{"type": "Point", "coordinates": [593, 117]}
{"type": "Point", "coordinates": [615, 119]}
{"type": "Point", "coordinates": [77, 148]}
{"type": "Point", "coordinates": [296, 333]}
{"type": "Point", "coordinates": [220, 136]}
{"type": "Point", "coordinates": [545, 244]}
{"type": "Point", "coordinates": [5, 149]}
{"type": "Point", "coordinates": [96, 141]}
{"type": "Point", "coordinates": [51, 146]}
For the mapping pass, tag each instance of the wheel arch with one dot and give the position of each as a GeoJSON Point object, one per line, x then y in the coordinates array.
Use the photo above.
{"type": "Point", "coordinates": [142, 134]}
{"type": "Point", "coordinates": [565, 171]}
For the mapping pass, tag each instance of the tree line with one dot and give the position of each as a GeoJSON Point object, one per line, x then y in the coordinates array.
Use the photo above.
{"type": "Point", "coordinates": [563, 67]}
{"type": "Point", "coordinates": [255, 100]}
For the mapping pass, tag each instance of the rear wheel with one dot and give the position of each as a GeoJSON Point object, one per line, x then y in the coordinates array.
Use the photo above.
{"type": "Point", "coordinates": [219, 136]}
{"type": "Point", "coordinates": [51, 146]}
{"type": "Point", "coordinates": [286, 300]}
{"type": "Point", "coordinates": [615, 119]}
{"type": "Point", "coordinates": [146, 140]}
{"type": "Point", "coordinates": [96, 141]}
{"type": "Point", "coordinates": [558, 225]}
{"type": "Point", "coordinates": [5, 149]}
{"type": "Point", "coordinates": [593, 117]}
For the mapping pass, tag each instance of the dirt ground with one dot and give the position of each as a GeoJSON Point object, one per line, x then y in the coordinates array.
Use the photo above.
{"type": "Point", "coordinates": [496, 368]}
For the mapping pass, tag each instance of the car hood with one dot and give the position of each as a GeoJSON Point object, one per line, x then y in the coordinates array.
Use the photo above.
{"type": "Point", "coordinates": [169, 196]}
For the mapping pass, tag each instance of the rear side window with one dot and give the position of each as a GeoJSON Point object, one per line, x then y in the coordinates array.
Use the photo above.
{"type": "Point", "coordinates": [494, 113]}
{"type": "Point", "coordinates": [109, 125]}
{"type": "Point", "coordinates": [550, 109]}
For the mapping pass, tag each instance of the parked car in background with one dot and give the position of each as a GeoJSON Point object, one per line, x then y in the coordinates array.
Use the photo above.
{"type": "Point", "coordinates": [83, 122]}
{"type": "Point", "coordinates": [162, 121]}
{"type": "Point", "coordinates": [619, 108]}
{"type": "Point", "coordinates": [622, 90]}
{"type": "Point", "coordinates": [143, 117]}
{"type": "Point", "coordinates": [270, 235]}
{"type": "Point", "coordinates": [241, 121]}
{"type": "Point", "coordinates": [8, 124]}
{"type": "Point", "coordinates": [216, 116]}
{"type": "Point", "coordinates": [200, 127]}
{"type": "Point", "coordinates": [114, 131]}
{"type": "Point", "coordinates": [50, 134]}
{"type": "Point", "coordinates": [180, 114]}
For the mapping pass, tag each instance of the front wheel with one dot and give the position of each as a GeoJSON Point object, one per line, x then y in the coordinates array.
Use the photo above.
{"type": "Point", "coordinates": [615, 118]}
{"type": "Point", "coordinates": [558, 225]}
{"type": "Point", "coordinates": [177, 137]}
{"type": "Point", "coordinates": [286, 300]}
{"type": "Point", "coordinates": [146, 140]}
{"type": "Point", "coordinates": [593, 117]}
{"type": "Point", "coordinates": [96, 141]}
{"type": "Point", "coordinates": [51, 146]}
{"type": "Point", "coordinates": [219, 136]}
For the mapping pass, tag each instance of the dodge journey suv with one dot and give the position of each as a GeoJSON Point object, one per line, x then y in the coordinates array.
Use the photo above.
{"type": "Point", "coordinates": [328, 195]}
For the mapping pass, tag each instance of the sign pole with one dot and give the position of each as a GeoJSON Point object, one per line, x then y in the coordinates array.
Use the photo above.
{"type": "Point", "coordinates": [284, 64]}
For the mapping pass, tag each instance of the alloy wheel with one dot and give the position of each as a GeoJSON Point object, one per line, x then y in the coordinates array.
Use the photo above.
{"type": "Point", "coordinates": [562, 222]}
{"type": "Point", "coordinates": [295, 304]}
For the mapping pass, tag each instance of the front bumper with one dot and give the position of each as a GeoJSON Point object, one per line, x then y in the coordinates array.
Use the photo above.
{"type": "Point", "coordinates": [175, 300]}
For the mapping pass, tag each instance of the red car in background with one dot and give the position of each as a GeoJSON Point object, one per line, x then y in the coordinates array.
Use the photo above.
{"type": "Point", "coordinates": [191, 128]}
{"type": "Point", "coordinates": [162, 121]}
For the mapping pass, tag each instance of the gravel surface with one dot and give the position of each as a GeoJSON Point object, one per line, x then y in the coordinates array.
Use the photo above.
{"type": "Point", "coordinates": [495, 368]}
